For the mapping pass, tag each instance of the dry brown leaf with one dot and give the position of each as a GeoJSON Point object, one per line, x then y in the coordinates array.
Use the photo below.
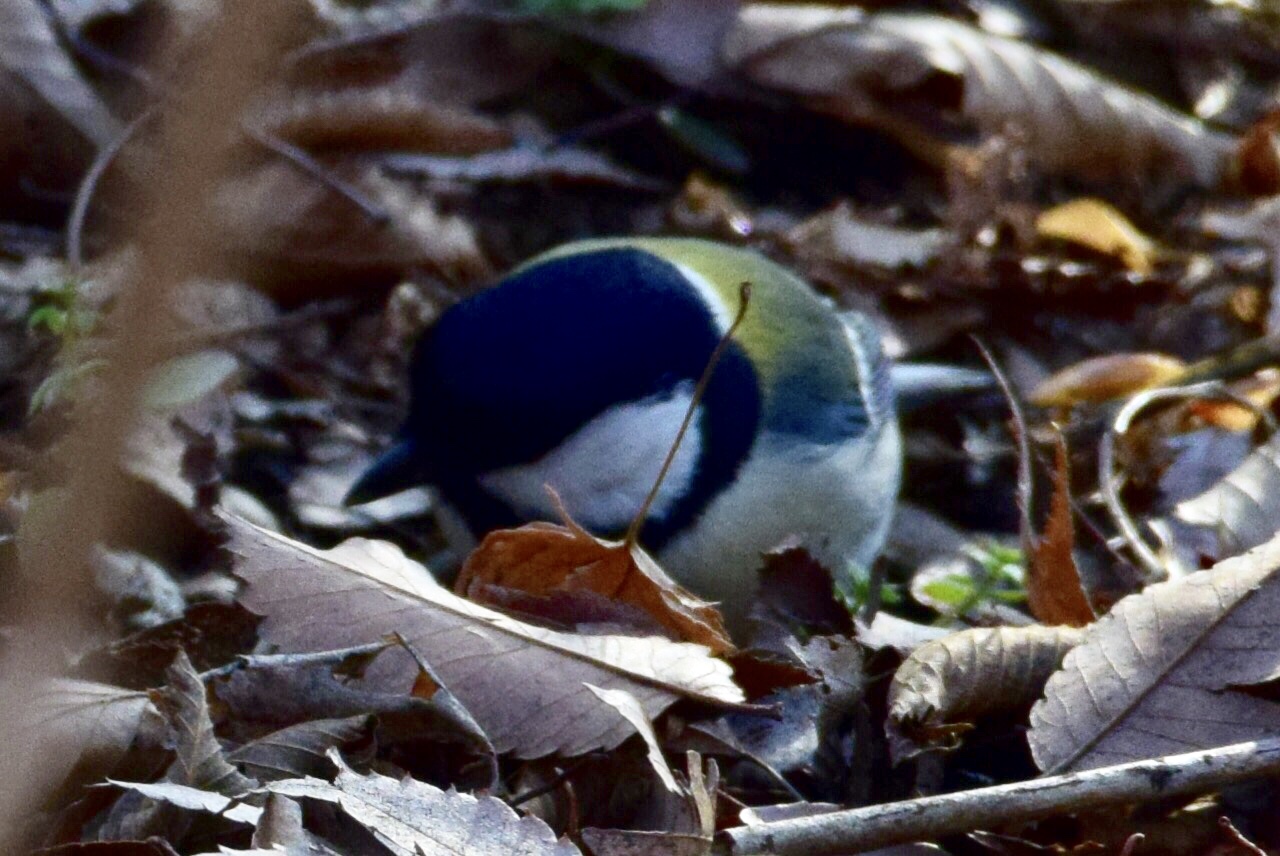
{"type": "Point", "coordinates": [412, 818]}
{"type": "Point", "coordinates": [883, 69]}
{"type": "Point", "coordinates": [1161, 673]}
{"type": "Point", "coordinates": [544, 558]}
{"type": "Point", "coordinates": [945, 685]}
{"type": "Point", "coordinates": [1104, 378]}
{"type": "Point", "coordinates": [1094, 224]}
{"type": "Point", "coordinates": [289, 233]}
{"type": "Point", "coordinates": [378, 118]}
{"type": "Point", "coordinates": [1054, 593]}
{"type": "Point", "coordinates": [525, 685]}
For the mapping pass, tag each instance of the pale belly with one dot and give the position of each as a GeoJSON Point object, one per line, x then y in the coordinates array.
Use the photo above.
{"type": "Point", "coordinates": [835, 501]}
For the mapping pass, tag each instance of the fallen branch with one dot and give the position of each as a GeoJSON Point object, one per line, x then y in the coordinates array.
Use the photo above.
{"type": "Point", "coordinates": [929, 818]}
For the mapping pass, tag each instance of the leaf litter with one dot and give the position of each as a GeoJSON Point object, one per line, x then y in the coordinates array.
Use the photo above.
{"type": "Point", "coordinates": [1083, 189]}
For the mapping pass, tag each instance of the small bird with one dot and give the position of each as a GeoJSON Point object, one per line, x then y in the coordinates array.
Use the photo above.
{"type": "Point", "coordinates": [577, 369]}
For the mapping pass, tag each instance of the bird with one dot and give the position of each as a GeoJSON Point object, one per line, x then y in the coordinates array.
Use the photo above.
{"type": "Point", "coordinates": [575, 371]}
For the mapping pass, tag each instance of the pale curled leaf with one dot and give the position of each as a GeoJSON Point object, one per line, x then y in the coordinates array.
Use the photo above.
{"type": "Point", "coordinates": [523, 684]}
{"type": "Point", "coordinates": [412, 817]}
{"type": "Point", "coordinates": [1243, 509]}
{"type": "Point", "coordinates": [629, 709]}
{"type": "Point", "coordinates": [947, 684]}
{"type": "Point", "coordinates": [198, 757]}
{"type": "Point", "coordinates": [30, 50]}
{"type": "Point", "coordinates": [1160, 673]}
{"type": "Point", "coordinates": [192, 799]}
{"type": "Point", "coordinates": [855, 67]}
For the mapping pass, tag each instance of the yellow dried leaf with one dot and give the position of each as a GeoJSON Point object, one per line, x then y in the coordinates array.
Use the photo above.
{"type": "Point", "coordinates": [1099, 379]}
{"type": "Point", "coordinates": [1094, 224]}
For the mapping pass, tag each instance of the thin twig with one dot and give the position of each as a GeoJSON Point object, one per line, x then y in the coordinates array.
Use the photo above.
{"type": "Point", "coordinates": [88, 188]}
{"type": "Point", "coordinates": [930, 818]}
{"type": "Point", "coordinates": [1026, 481]}
{"type": "Point", "coordinates": [744, 299]}
{"type": "Point", "coordinates": [309, 166]}
{"type": "Point", "coordinates": [1238, 838]}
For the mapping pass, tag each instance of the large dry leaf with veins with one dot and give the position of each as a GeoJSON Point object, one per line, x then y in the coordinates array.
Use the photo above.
{"type": "Point", "coordinates": [85, 726]}
{"type": "Point", "coordinates": [411, 817]}
{"type": "Point", "coordinates": [525, 685]}
{"type": "Point", "coordinates": [29, 49]}
{"type": "Point", "coordinates": [890, 70]}
{"type": "Point", "coordinates": [1163, 672]}
{"type": "Point", "coordinates": [947, 684]}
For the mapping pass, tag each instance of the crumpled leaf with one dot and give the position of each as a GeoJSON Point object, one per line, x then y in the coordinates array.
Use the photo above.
{"type": "Point", "coordinates": [1094, 224]}
{"type": "Point", "coordinates": [884, 69]}
{"type": "Point", "coordinates": [198, 757]}
{"type": "Point", "coordinates": [1163, 671]}
{"type": "Point", "coordinates": [1237, 514]}
{"type": "Point", "coordinates": [1104, 378]}
{"type": "Point", "coordinates": [311, 691]}
{"type": "Point", "coordinates": [30, 50]}
{"type": "Point", "coordinates": [523, 684]}
{"type": "Point", "coordinates": [544, 558]}
{"type": "Point", "coordinates": [413, 818]}
{"type": "Point", "coordinates": [299, 750]}
{"type": "Point", "coordinates": [945, 685]}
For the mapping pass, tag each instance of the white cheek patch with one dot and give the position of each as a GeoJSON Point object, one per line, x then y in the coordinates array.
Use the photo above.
{"type": "Point", "coordinates": [605, 469]}
{"type": "Point", "coordinates": [716, 304]}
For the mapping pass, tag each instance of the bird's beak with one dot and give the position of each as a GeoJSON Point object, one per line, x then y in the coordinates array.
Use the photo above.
{"type": "Point", "coordinates": [394, 470]}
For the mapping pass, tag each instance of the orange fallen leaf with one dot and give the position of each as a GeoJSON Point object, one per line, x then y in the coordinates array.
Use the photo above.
{"type": "Point", "coordinates": [1054, 593]}
{"type": "Point", "coordinates": [1104, 378]}
{"type": "Point", "coordinates": [544, 559]}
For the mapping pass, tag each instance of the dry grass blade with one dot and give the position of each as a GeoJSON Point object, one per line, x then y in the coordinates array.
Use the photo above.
{"type": "Point", "coordinates": [880, 69]}
{"type": "Point", "coordinates": [1163, 671]}
{"type": "Point", "coordinates": [946, 684]}
{"type": "Point", "coordinates": [509, 675]}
